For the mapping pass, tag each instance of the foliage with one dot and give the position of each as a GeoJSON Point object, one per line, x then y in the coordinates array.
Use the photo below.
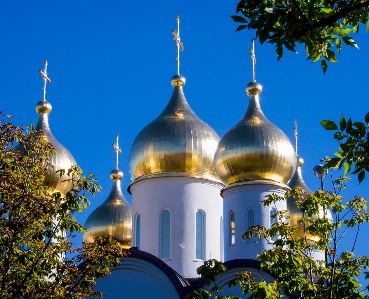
{"type": "Point", "coordinates": [321, 26]}
{"type": "Point", "coordinates": [353, 138]}
{"type": "Point", "coordinates": [291, 257]}
{"type": "Point", "coordinates": [37, 257]}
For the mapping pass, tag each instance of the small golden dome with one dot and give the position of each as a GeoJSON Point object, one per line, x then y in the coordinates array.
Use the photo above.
{"type": "Point", "coordinates": [294, 212]}
{"type": "Point", "coordinates": [62, 159]}
{"type": "Point", "coordinates": [254, 149]}
{"type": "Point", "coordinates": [177, 141]}
{"type": "Point", "coordinates": [113, 217]}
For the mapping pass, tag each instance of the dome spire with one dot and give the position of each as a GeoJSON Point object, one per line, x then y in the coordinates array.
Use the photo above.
{"type": "Point", "coordinates": [295, 134]}
{"type": "Point", "coordinates": [178, 80]}
{"type": "Point", "coordinates": [253, 88]}
{"type": "Point", "coordinates": [117, 150]}
{"type": "Point", "coordinates": [116, 174]}
{"type": "Point", "coordinates": [177, 38]}
{"type": "Point", "coordinates": [45, 77]}
{"type": "Point", "coordinates": [253, 58]}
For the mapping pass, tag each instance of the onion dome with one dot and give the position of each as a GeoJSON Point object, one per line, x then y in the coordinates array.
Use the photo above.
{"type": "Point", "coordinates": [254, 149]}
{"type": "Point", "coordinates": [62, 159]}
{"type": "Point", "coordinates": [176, 143]}
{"type": "Point", "coordinates": [294, 212]}
{"type": "Point", "coordinates": [113, 217]}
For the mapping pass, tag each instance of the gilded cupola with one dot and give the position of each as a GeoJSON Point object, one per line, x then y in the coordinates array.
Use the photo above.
{"type": "Point", "coordinates": [62, 159]}
{"type": "Point", "coordinates": [294, 212]}
{"type": "Point", "coordinates": [177, 142]}
{"type": "Point", "coordinates": [254, 149]}
{"type": "Point", "coordinates": [114, 215]}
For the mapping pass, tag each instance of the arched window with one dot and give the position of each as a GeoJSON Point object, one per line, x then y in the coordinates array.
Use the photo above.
{"type": "Point", "coordinates": [232, 229]}
{"type": "Point", "coordinates": [250, 221]}
{"type": "Point", "coordinates": [138, 231]}
{"type": "Point", "coordinates": [273, 220]}
{"type": "Point", "coordinates": [165, 234]}
{"type": "Point", "coordinates": [200, 235]}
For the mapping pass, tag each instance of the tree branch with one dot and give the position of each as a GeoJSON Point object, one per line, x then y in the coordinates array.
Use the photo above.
{"type": "Point", "coordinates": [331, 19]}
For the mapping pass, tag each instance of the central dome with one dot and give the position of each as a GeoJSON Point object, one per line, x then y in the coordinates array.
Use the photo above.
{"type": "Point", "coordinates": [254, 149]}
{"type": "Point", "coordinates": [176, 142]}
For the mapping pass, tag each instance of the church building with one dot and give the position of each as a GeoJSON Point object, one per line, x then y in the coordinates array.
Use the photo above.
{"type": "Point", "coordinates": [194, 194]}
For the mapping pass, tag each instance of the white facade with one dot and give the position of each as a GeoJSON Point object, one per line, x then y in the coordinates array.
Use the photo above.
{"type": "Point", "coordinates": [239, 200]}
{"type": "Point", "coordinates": [183, 197]}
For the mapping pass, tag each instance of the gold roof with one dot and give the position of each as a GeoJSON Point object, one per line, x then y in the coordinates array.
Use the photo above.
{"type": "Point", "coordinates": [254, 149]}
{"type": "Point", "coordinates": [177, 142]}
{"type": "Point", "coordinates": [62, 159]}
{"type": "Point", "coordinates": [112, 217]}
{"type": "Point", "coordinates": [294, 212]}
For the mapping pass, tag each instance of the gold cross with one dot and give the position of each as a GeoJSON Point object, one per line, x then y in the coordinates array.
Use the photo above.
{"type": "Point", "coordinates": [177, 38]}
{"type": "Point", "coordinates": [45, 77]}
{"type": "Point", "coordinates": [253, 58]}
{"type": "Point", "coordinates": [117, 149]}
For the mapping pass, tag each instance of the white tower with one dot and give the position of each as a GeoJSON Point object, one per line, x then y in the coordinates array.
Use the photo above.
{"type": "Point", "coordinates": [254, 159]}
{"type": "Point", "coordinates": [176, 206]}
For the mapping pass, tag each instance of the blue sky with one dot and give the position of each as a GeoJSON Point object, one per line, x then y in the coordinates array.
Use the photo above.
{"type": "Point", "coordinates": [111, 62]}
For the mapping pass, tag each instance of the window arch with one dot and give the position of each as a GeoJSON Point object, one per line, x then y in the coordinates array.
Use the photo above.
{"type": "Point", "coordinates": [232, 229]}
{"type": "Point", "coordinates": [273, 211]}
{"type": "Point", "coordinates": [250, 221]}
{"type": "Point", "coordinates": [138, 231]}
{"type": "Point", "coordinates": [165, 234]}
{"type": "Point", "coordinates": [200, 235]}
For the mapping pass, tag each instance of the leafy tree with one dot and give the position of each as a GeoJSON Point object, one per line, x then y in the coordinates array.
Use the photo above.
{"type": "Point", "coordinates": [37, 257]}
{"type": "Point", "coordinates": [291, 259]}
{"type": "Point", "coordinates": [321, 26]}
{"type": "Point", "coordinates": [353, 138]}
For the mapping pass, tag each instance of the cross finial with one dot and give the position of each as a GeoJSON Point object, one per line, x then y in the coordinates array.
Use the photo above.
{"type": "Point", "coordinates": [295, 134]}
{"type": "Point", "coordinates": [117, 149]}
{"type": "Point", "coordinates": [253, 58]}
{"type": "Point", "coordinates": [177, 38]}
{"type": "Point", "coordinates": [45, 77]}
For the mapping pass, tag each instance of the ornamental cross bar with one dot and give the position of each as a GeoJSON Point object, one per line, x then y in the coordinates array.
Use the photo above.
{"type": "Point", "coordinates": [253, 58]}
{"type": "Point", "coordinates": [45, 77]}
{"type": "Point", "coordinates": [117, 150]}
{"type": "Point", "coordinates": [177, 38]}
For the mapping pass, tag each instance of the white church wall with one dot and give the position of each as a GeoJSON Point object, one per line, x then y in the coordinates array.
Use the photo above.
{"type": "Point", "coordinates": [239, 199]}
{"type": "Point", "coordinates": [183, 197]}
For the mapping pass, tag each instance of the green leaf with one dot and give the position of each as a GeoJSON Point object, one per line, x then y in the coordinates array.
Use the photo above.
{"type": "Point", "coordinates": [342, 123]}
{"type": "Point", "coordinates": [324, 66]}
{"type": "Point", "coordinates": [279, 50]}
{"type": "Point", "coordinates": [361, 176]}
{"type": "Point", "coordinates": [263, 36]}
{"type": "Point", "coordinates": [289, 46]}
{"type": "Point", "coordinates": [239, 19]}
{"type": "Point", "coordinates": [367, 118]}
{"type": "Point", "coordinates": [329, 124]}
{"type": "Point", "coordinates": [338, 45]}
{"type": "Point", "coordinates": [345, 31]}
{"type": "Point", "coordinates": [347, 167]}
{"type": "Point", "coordinates": [331, 56]}
{"type": "Point", "coordinates": [241, 27]}
{"type": "Point", "coordinates": [326, 9]}
{"type": "Point", "coordinates": [269, 9]}
{"type": "Point", "coordinates": [350, 41]}
{"type": "Point", "coordinates": [367, 26]}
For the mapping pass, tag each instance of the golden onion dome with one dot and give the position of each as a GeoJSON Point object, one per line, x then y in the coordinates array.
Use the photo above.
{"type": "Point", "coordinates": [176, 143]}
{"type": "Point", "coordinates": [62, 159]}
{"type": "Point", "coordinates": [254, 149]}
{"type": "Point", "coordinates": [112, 217]}
{"type": "Point", "coordinates": [294, 212]}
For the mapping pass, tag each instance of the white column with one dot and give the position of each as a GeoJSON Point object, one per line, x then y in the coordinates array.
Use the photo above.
{"type": "Point", "coordinates": [183, 197]}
